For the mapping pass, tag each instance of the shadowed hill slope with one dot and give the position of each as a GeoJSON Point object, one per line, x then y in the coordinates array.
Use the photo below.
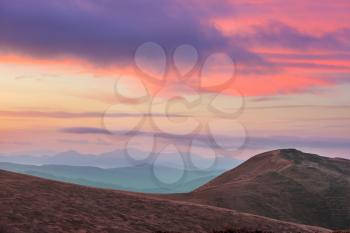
{"type": "Point", "coordinates": [32, 205]}
{"type": "Point", "coordinates": [284, 184]}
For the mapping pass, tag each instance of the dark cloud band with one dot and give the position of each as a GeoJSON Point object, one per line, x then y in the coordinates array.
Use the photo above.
{"type": "Point", "coordinates": [108, 31]}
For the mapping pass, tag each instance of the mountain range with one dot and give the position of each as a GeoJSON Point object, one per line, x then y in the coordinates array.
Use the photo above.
{"type": "Point", "coordinates": [278, 191]}
{"type": "Point", "coordinates": [111, 159]}
{"type": "Point", "coordinates": [136, 179]}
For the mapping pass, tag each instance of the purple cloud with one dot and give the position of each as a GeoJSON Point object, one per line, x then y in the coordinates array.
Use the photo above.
{"type": "Point", "coordinates": [82, 114]}
{"type": "Point", "coordinates": [251, 143]}
{"type": "Point", "coordinates": [85, 130]}
{"type": "Point", "coordinates": [277, 34]}
{"type": "Point", "coordinates": [84, 142]}
{"type": "Point", "coordinates": [109, 31]}
{"type": "Point", "coordinates": [297, 142]}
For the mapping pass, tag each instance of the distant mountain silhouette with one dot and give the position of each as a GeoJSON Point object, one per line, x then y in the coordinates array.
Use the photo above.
{"type": "Point", "coordinates": [112, 159]}
{"type": "Point", "coordinates": [284, 184]}
{"type": "Point", "coordinates": [32, 205]}
{"type": "Point", "coordinates": [136, 179]}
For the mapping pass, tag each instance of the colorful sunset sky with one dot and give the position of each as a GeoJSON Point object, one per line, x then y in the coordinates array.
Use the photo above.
{"type": "Point", "coordinates": [60, 59]}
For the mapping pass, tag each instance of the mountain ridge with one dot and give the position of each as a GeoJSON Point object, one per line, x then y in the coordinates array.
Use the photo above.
{"type": "Point", "coordinates": [284, 184]}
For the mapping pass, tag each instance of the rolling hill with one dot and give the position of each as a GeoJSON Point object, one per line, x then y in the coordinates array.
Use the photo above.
{"type": "Point", "coordinates": [31, 205]}
{"type": "Point", "coordinates": [284, 184]}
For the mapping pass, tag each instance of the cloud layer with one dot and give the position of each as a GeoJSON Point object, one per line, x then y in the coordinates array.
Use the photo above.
{"type": "Point", "coordinates": [108, 31]}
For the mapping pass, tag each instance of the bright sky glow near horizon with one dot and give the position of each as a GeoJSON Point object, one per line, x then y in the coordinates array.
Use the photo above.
{"type": "Point", "coordinates": [59, 61]}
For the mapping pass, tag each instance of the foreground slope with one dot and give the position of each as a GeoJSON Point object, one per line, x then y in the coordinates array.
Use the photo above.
{"type": "Point", "coordinates": [284, 184]}
{"type": "Point", "coordinates": [30, 204]}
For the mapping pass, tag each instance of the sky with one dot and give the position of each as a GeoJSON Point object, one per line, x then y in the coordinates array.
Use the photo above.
{"type": "Point", "coordinates": [81, 74]}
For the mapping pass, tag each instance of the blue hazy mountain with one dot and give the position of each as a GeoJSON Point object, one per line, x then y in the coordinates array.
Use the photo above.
{"type": "Point", "coordinates": [113, 159]}
{"type": "Point", "coordinates": [113, 170]}
{"type": "Point", "coordinates": [71, 158]}
{"type": "Point", "coordinates": [136, 178]}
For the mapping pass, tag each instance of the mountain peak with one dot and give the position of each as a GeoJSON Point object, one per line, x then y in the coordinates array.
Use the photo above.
{"type": "Point", "coordinates": [290, 150]}
{"type": "Point", "coordinates": [290, 154]}
{"type": "Point", "coordinates": [282, 153]}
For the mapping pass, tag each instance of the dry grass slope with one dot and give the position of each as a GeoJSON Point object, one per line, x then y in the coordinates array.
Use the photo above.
{"type": "Point", "coordinates": [288, 185]}
{"type": "Point", "coordinates": [34, 205]}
